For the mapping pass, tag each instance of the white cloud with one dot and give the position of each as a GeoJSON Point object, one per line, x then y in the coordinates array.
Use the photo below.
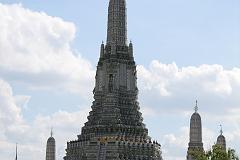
{"type": "Point", "coordinates": [169, 79]}
{"type": "Point", "coordinates": [35, 49]}
{"type": "Point", "coordinates": [10, 113]}
{"type": "Point", "coordinates": [32, 136]}
{"type": "Point", "coordinates": [175, 144]}
{"type": "Point", "coordinates": [211, 84]}
{"type": "Point", "coordinates": [11, 120]}
{"type": "Point", "coordinates": [35, 52]}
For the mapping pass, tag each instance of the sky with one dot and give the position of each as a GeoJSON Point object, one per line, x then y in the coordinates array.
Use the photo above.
{"type": "Point", "coordinates": [185, 50]}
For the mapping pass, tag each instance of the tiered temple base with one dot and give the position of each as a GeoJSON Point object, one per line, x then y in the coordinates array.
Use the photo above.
{"type": "Point", "coordinates": [113, 148]}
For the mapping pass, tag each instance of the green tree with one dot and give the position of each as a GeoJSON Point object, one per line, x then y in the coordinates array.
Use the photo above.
{"type": "Point", "coordinates": [198, 155]}
{"type": "Point", "coordinates": [232, 154]}
{"type": "Point", "coordinates": [216, 153]}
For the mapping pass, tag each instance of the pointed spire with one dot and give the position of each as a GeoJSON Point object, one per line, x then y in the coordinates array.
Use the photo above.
{"type": "Point", "coordinates": [130, 49]}
{"type": "Point", "coordinates": [196, 107]}
{"type": "Point", "coordinates": [51, 131]}
{"type": "Point", "coordinates": [117, 23]}
{"type": "Point", "coordinates": [130, 43]}
{"type": "Point", "coordinates": [102, 50]}
{"type": "Point", "coordinates": [16, 152]}
{"type": "Point", "coordinates": [221, 130]}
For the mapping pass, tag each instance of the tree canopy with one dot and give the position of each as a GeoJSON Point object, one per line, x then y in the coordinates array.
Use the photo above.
{"type": "Point", "coordinates": [216, 153]}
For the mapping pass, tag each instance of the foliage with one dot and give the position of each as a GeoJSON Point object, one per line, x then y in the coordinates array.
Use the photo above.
{"type": "Point", "coordinates": [198, 154]}
{"type": "Point", "coordinates": [217, 153]}
{"type": "Point", "coordinates": [232, 154]}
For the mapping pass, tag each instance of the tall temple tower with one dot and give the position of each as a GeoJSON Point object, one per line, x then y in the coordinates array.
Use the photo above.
{"type": "Point", "coordinates": [115, 128]}
{"type": "Point", "coordinates": [221, 141]}
{"type": "Point", "coordinates": [51, 148]}
{"type": "Point", "coordinates": [195, 143]}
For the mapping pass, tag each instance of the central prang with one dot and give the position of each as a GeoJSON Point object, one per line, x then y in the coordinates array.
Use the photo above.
{"type": "Point", "coordinates": [115, 128]}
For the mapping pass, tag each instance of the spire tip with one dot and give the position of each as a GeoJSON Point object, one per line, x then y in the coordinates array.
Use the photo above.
{"type": "Point", "coordinates": [221, 130]}
{"type": "Point", "coordinates": [196, 107]}
{"type": "Point", "coordinates": [51, 131]}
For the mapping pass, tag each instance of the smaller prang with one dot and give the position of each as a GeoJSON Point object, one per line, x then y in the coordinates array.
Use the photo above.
{"type": "Point", "coordinates": [51, 148]}
{"type": "Point", "coordinates": [195, 141]}
{"type": "Point", "coordinates": [221, 141]}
